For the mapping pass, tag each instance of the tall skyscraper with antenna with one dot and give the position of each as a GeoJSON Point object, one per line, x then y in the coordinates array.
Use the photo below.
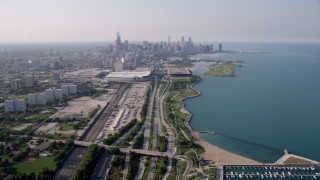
{"type": "Point", "coordinates": [118, 43]}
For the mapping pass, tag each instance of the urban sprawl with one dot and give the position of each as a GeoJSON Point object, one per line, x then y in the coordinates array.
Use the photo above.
{"type": "Point", "coordinates": [111, 111]}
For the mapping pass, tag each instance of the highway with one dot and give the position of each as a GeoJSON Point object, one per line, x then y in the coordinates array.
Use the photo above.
{"type": "Point", "coordinates": [155, 129]}
{"type": "Point", "coordinates": [126, 166]}
{"type": "Point", "coordinates": [71, 163]}
{"type": "Point", "coordinates": [146, 130]}
{"type": "Point", "coordinates": [141, 168]}
{"type": "Point", "coordinates": [152, 168]}
{"type": "Point", "coordinates": [102, 168]}
{"type": "Point", "coordinates": [148, 119]}
{"type": "Point", "coordinates": [170, 133]}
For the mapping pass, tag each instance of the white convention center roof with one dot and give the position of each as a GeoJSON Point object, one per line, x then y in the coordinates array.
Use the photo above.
{"type": "Point", "coordinates": [128, 74]}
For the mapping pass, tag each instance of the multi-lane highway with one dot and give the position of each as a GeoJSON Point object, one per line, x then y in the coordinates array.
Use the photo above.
{"type": "Point", "coordinates": [70, 164]}
{"type": "Point", "coordinates": [170, 132]}
{"type": "Point", "coordinates": [102, 168]}
{"type": "Point", "coordinates": [126, 166]}
{"type": "Point", "coordinates": [148, 119]}
{"type": "Point", "coordinates": [155, 130]}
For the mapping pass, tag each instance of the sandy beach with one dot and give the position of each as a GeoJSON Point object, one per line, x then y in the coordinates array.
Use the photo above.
{"type": "Point", "coordinates": [221, 156]}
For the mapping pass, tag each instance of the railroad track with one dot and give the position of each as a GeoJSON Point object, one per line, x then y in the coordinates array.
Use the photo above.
{"type": "Point", "coordinates": [71, 163]}
{"type": "Point", "coordinates": [93, 132]}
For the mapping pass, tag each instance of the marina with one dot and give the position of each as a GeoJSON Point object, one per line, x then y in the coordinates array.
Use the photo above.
{"type": "Point", "coordinates": [297, 171]}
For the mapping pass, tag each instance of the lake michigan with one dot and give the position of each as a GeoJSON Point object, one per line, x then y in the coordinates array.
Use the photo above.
{"type": "Point", "coordinates": [272, 103]}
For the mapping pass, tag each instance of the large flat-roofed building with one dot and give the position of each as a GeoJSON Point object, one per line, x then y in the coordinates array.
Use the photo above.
{"type": "Point", "coordinates": [41, 99]}
{"type": "Point", "coordinates": [16, 84]}
{"type": "Point", "coordinates": [68, 89]}
{"type": "Point", "coordinates": [9, 106]}
{"type": "Point", "coordinates": [129, 76]}
{"type": "Point", "coordinates": [16, 105]}
{"type": "Point", "coordinates": [72, 89]}
{"type": "Point", "coordinates": [65, 89]}
{"type": "Point", "coordinates": [54, 79]}
{"type": "Point", "coordinates": [32, 99]}
{"type": "Point", "coordinates": [53, 94]}
{"type": "Point", "coordinates": [57, 93]}
{"type": "Point", "coordinates": [49, 94]}
{"type": "Point", "coordinates": [20, 105]}
{"type": "Point", "coordinates": [174, 71]}
{"type": "Point", "coordinates": [37, 99]}
{"type": "Point", "coordinates": [29, 81]}
{"type": "Point", "coordinates": [118, 66]}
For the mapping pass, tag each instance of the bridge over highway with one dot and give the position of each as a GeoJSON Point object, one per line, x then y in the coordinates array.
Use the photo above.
{"type": "Point", "coordinates": [126, 150]}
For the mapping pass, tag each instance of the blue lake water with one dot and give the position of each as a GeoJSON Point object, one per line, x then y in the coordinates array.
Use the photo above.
{"type": "Point", "coordinates": [272, 103]}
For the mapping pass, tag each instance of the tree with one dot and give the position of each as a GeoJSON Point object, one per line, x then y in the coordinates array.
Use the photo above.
{"type": "Point", "coordinates": [76, 126]}
{"type": "Point", "coordinates": [45, 174]}
{"type": "Point", "coordinates": [114, 150]}
{"type": "Point", "coordinates": [36, 153]}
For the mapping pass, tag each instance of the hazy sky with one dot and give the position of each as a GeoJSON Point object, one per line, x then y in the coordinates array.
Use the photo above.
{"type": "Point", "coordinates": [211, 20]}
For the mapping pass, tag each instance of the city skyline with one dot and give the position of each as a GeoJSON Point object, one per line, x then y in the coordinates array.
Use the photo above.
{"type": "Point", "coordinates": [78, 21]}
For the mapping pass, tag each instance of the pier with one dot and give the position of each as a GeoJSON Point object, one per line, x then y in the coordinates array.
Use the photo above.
{"type": "Point", "coordinates": [206, 132]}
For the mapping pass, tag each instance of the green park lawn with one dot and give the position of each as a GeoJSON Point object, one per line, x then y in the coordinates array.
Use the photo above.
{"type": "Point", "coordinates": [67, 126]}
{"type": "Point", "coordinates": [221, 70]}
{"type": "Point", "coordinates": [35, 165]}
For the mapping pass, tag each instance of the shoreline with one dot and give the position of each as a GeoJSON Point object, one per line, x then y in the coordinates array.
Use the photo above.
{"type": "Point", "coordinates": [212, 151]}
{"type": "Point", "coordinates": [222, 156]}
{"type": "Point", "coordinates": [217, 154]}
